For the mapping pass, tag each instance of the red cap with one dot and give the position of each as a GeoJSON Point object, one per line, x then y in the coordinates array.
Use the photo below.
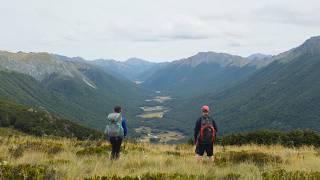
{"type": "Point", "coordinates": [205, 108]}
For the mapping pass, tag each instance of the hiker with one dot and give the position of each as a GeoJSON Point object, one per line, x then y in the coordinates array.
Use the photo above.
{"type": "Point", "coordinates": [205, 134]}
{"type": "Point", "coordinates": [116, 131]}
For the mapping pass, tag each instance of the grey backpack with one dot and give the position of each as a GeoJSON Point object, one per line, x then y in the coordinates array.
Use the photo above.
{"type": "Point", "coordinates": [114, 125]}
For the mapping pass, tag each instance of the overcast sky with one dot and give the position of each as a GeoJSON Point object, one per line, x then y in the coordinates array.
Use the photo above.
{"type": "Point", "coordinates": [156, 30]}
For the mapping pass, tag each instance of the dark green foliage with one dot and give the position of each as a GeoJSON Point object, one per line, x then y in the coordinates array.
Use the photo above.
{"type": "Point", "coordinates": [42, 123]}
{"type": "Point", "coordinates": [46, 147]}
{"type": "Point", "coordinates": [231, 176]}
{"type": "Point", "coordinates": [292, 175]}
{"type": "Point", "coordinates": [157, 176]}
{"type": "Point", "coordinates": [258, 158]}
{"type": "Point", "coordinates": [26, 171]}
{"type": "Point", "coordinates": [173, 153]}
{"type": "Point", "coordinates": [58, 161]}
{"type": "Point", "coordinates": [295, 138]}
{"type": "Point", "coordinates": [16, 152]}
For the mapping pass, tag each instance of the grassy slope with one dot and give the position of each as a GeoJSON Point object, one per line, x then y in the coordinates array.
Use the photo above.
{"type": "Point", "coordinates": [248, 161]}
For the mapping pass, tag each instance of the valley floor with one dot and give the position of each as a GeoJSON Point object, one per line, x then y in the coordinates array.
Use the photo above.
{"type": "Point", "coordinates": [54, 158]}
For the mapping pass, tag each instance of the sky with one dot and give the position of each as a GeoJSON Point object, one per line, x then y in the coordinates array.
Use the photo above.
{"type": "Point", "coordinates": [156, 30]}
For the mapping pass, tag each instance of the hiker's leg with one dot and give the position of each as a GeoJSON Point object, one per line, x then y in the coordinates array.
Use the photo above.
{"type": "Point", "coordinates": [113, 147]}
{"type": "Point", "coordinates": [199, 152]}
{"type": "Point", "coordinates": [118, 147]}
{"type": "Point", "coordinates": [209, 150]}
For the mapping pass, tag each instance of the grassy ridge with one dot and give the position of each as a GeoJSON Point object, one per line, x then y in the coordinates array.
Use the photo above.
{"type": "Point", "coordinates": [73, 159]}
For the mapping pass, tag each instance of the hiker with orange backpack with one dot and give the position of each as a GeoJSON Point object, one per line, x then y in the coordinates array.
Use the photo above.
{"type": "Point", "coordinates": [205, 134]}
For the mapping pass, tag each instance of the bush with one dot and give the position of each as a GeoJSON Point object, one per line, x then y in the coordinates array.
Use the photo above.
{"type": "Point", "coordinates": [157, 176]}
{"type": "Point", "coordinates": [47, 147]}
{"type": "Point", "coordinates": [295, 138]}
{"type": "Point", "coordinates": [58, 161]}
{"type": "Point", "coordinates": [26, 171]}
{"type": "Point", "coordinates": [257, 158]}
{"type": "Point", "coordinates": [16, 152]}
{"type": "Point", "coordinates": [173, 153]}
{"type": "Point", "coordinates": [292, 175]}
{"type": "Point", "coordinates": [231, 176]}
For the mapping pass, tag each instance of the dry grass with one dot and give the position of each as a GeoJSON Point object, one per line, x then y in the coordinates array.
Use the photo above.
{"type": "Point", "coordinates": [139, 159]}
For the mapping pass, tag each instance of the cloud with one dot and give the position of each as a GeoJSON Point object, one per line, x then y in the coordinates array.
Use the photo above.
{"type": "Point", "coordinates": [177, 28]}
{"type": "Point", "coordinates": [163, 29]}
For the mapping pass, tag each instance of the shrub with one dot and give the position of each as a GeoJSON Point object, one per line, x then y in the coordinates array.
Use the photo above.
{"type": "Point", "coordinates": [156, 176]}
{"type": "Point", "coordinates": [231, 176]}
{"type": "Point", "coordinates": [292, 175]}
{"type": "Point", "coordinates": [257, 158]}
{"type": "Point", "coordinates": [173, 153]}
{"type": "Point", "coordinates": [16, 152]}
{"type": "Point", "coordinates": [46, 147]}
{"type": "Point", "coordinates": [295, 138]}
{"type": "Point", "coordinates": [26, 171]}
{"type": "Point", "coordinates": [58, 161]}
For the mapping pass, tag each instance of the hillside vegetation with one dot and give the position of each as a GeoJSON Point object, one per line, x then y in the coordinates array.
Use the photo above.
{"type": "Point", "coordinates": [27, 157]}
{"type": "Point", "coordinates": [285, 95]}
{"type": "Point", "coordinates": [41, 123]}
{"type": "Point", "coordinates": [69, 87]}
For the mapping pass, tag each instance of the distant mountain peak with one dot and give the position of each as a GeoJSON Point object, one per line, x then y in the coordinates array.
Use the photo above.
{"type": "Point", "coordinates": [135, 60]}
{"type": "Point", "coordinates": [223, 59]}
{"type": "Point", "coordinates": [258, 56]}
{"type": "Point", "coordinates": [310, 46]}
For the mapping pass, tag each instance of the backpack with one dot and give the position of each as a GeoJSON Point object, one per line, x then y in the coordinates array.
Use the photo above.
{"type": "Point", "coordinates": [114, 125]}
{"type": "Point", "coordinates": [207, 131]}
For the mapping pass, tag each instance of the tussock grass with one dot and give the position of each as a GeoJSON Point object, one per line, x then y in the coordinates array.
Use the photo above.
{"type": "Point", "coordinates": [72, 159]}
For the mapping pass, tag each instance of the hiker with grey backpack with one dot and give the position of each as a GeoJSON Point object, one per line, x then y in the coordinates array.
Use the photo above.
{"type": "Point", "coordinates": [204, 134]}
{"type": "Point", "coordinates": [116, 131]}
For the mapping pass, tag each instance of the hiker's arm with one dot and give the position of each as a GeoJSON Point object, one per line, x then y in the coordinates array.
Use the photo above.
{"type": "Point", "coordinates": [124, 126]}
{"type": "Point", "coordinates": [196, 130]}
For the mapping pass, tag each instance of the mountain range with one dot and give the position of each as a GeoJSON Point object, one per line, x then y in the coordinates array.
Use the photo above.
{"type": "Point", "coordinates": [134, 69]}
{"type": "Point", "coordinates": [283, 95]}
{"type": "Point", "coordinates": [68, 87]}
{"type": "Point", "coordinates": [203, 72]}
{"type": "Point", "coordinates": [245, 93]}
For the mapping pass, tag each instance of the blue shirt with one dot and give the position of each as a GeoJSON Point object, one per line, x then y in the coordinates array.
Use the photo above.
{"type": "Point", "coordinates": [124, 126]}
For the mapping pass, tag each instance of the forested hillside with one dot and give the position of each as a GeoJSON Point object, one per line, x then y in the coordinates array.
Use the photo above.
{"type": "Point", "coordinates": [284, 95]}
{"type": "Point", "coordinates": [69, 87]}
{"type": "Point", "coordinates": [41, 123]}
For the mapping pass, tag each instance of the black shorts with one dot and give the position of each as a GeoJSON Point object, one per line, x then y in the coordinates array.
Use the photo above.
{"type": "Point", "coordinates": [201, 148]}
